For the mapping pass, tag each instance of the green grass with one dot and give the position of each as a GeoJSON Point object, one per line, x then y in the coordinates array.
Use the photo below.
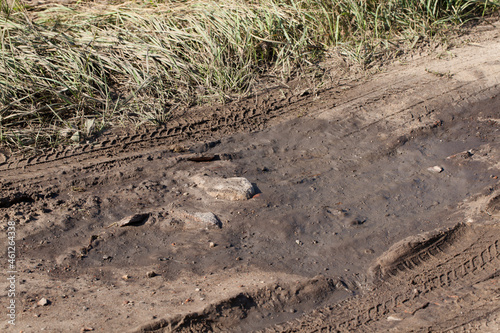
{"type": "Point", "coordinates": [83, 68]}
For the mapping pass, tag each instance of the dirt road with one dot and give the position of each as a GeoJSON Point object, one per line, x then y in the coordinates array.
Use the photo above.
{"type": "Point", "coordinates": [375, 207]}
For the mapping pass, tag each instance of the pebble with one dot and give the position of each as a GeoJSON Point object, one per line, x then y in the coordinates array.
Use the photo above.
{"type": "Point", "coordinates": [198, 219]}
{"type": "Point", "coordinates": [435, 169]}
{"type": "Point", "coordinates": [126, 277]}
{"type": "Point", "coordinates": [43, 302]}
{"type": "Point", "coordinates": [3, 158]}
{"type": "Point", "coordinates": [212, 244]}
{"type": "Point", "coordinates": [87, 329]}
{"type": "Point", "coordinates": [393, 318]}
{"type": "Point", "coordinates": [151, 274]}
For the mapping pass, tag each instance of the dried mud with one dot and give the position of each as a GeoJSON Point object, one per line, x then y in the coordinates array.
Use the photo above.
{"type": "Point", "coordinates": [350, 227]}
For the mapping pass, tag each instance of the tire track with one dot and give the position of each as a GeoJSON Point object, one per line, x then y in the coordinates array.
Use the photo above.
{"type": "Point", "coordinates": [235, 119]}
{"type": "Point", "coordinates": [442, 266]}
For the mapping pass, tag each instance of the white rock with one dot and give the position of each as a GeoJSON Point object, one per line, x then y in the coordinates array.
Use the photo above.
{"type": "Point", "coordinates": [207, 218]}
{"type": "Point", "coordinates": [75, 137]}
{"type": "Point", "coordinates": [435, 169]}
{"type": "Point", "coordinates": [198, 219]}
{"type": "Point", "coordinates": [235, 188]}
{"type": "Point", "coordinates": [43, 302]}
{"type": "Point", "coordinates": [393, 318]}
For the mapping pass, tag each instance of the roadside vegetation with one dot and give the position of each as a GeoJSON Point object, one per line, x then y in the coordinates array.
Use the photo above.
{"type": "Point", "coordinates": [69, 71]}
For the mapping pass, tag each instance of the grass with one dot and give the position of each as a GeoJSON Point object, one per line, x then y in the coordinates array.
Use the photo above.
{"type": "Point", "coordinates": [67, 72]}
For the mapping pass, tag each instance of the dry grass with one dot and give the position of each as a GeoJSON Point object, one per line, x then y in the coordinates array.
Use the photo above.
{"type": "Point", "coordinates": [84, 67]}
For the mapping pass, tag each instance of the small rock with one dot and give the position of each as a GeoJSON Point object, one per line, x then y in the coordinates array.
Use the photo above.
{"type": "Point", "coordinates": [151, 274]}
{"type": "Point", "coordinates": [126, 277]}
{"type": "Point", "coordinates": [435, 169]}
{"type": "Point", "coordinates": [207, 218]}
{"type": "Point", "coordinates": [298, 242]}
{"type": "Point", "coordinates": [87, 329]}
{"type": "Point", "coordinates": [3, 158]}
{"type": "Point", "coordinates": [212, 244]}
{"type": "Point", "coordinates": [197, 289]}
{"type": "Point", "coordinates": [235, 188]}
{"type": "Point", "coordinates": [43, 302]}
{"type": "Point", "coordinates": [393, 318]}
{"type": "Point", "coordinates": [198, 219]}
{"type": "Point", "coordinates": [75, 137]}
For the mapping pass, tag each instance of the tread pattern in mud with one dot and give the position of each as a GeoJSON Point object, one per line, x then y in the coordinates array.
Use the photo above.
{"type": "Point", "coordinates": [441, 265]}
{"type": "Point", "coordinates": [174, 132]}
{"type": "Point", "coordinates": [249, 116]}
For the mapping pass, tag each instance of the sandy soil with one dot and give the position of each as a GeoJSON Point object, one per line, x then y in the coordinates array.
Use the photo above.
{"type": "Point", "coordinates": [376, 208]}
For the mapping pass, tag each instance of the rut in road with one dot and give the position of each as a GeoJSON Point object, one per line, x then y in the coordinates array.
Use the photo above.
{"type": "Point", "coordinates": [462, 256]}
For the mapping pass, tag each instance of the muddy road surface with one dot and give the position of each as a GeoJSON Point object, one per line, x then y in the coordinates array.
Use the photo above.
{"type": "Point", "coordinates": [369, 207]}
